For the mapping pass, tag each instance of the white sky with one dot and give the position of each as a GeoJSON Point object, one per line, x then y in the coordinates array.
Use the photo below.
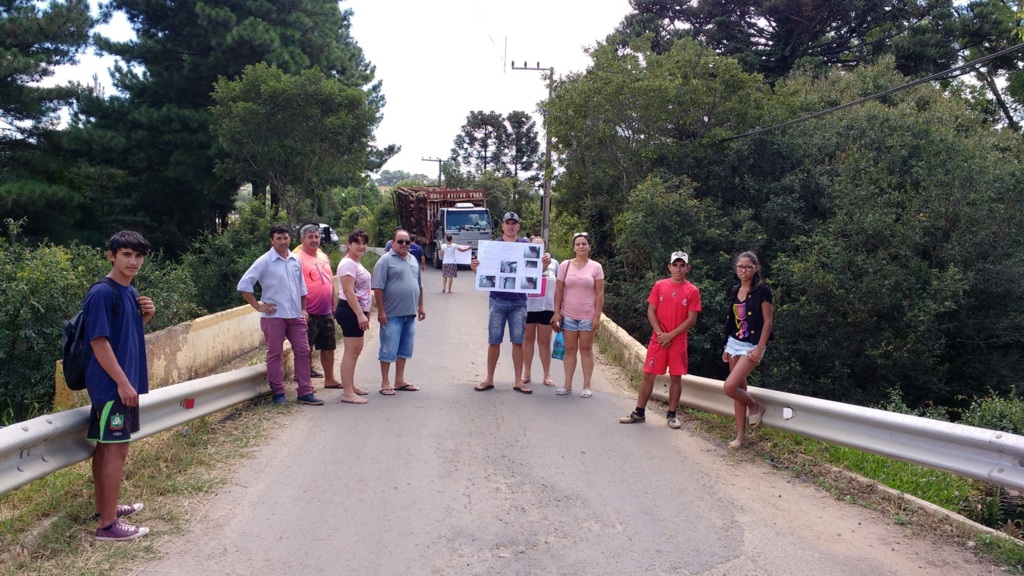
{"type": "Point", "coordinates": [440, 60]}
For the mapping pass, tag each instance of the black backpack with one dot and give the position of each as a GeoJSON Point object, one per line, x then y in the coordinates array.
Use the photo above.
{"type": "Point", "coordinates": [77, 350]}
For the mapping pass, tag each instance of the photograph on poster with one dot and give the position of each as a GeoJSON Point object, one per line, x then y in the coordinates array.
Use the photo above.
{"type": "Point", "coordinates": [506, 267]}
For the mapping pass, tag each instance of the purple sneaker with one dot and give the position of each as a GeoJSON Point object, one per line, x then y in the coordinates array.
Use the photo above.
{"type": "Point", "coordinates": [121, 530]}
{"type": "Point", "coordinates": [123, 510]}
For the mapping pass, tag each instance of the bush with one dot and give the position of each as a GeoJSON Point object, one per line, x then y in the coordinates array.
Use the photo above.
{"type": "Point", "coordinates": [43, 286]}
{"type": "Point", "coordinates": [994, 413]}
{"type": "Point", "coordinates": [217, 261]}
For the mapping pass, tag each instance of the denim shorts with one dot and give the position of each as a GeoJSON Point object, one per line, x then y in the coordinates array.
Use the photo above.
{"type": "Point", "coordinates": [396, 338]}
{"type": "Point", "coordinates": [511, 311]}
{"type": "Point", "coordinates": [570, 325]}
{"type": "Point", "coordinates": [734, 347]}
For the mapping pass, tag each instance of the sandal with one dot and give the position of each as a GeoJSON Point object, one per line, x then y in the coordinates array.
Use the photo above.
{"type": "Point", "coordinates": [524, 389]}
{"type": "Point", "coordinates": [563, 391]}
{"type": "Point", "coordinates": [483, 386]}
{"type": "Point", "coordinates": [755, 419]}
{"type": "Point", "coordinates": [387, 391]}
{"type": "Point", "coordinates": [587, 393]}
{"type": "Point", "coordinates": [735, 444]}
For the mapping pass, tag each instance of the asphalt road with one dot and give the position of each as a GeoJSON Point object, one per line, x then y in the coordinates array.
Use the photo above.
{"type": "Point", "coordinates": [449, 481]}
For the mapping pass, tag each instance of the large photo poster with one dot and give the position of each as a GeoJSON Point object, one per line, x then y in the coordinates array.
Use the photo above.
{"type": "Point", "coordinates": [509, 267]}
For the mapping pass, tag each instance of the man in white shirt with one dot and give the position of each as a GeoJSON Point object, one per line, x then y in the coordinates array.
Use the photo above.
{"type": "Point", "coordinates": [283, 310]}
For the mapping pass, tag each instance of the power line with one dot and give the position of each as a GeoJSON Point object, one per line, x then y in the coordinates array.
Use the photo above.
{"type": "Point", "coordinates": [930, 78]}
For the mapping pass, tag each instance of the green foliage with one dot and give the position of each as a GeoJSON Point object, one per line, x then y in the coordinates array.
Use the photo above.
{"type": "Point", "coordinates": [393, 177]}
{"type": "Point", "coordinates": [301, 133]}
{"type": "Point", "coordinates": [44, 285]}
{"type": "Point", "coordinates": [772, 38]}
{"type": "Point", "coordinates": [149, 148]}
{"type": "Point", "coordinates": [217, 261]}
{"type": "Point", "coordinates": [385, 220]}
{"type": "Point", "coordinates": [1005, 414]}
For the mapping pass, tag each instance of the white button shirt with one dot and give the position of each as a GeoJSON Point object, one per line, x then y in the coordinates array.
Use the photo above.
{"type": "Point", "coordinates": [281, 281]}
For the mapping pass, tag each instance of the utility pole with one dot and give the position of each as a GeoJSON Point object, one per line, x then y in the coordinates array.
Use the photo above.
{"type": "Point", "coordinates": [545, 202]}
{"type": "Point", "coordinates": [439, 161]}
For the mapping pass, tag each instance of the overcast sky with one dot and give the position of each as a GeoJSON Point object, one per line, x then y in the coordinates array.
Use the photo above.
{"type": "Point", "coordinates": [440, 60]}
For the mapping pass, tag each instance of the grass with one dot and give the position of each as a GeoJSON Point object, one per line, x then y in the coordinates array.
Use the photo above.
{"type": "Point", "coordinates": [46, 527]}
{"type": "Point", "coordinates": [828, 467]}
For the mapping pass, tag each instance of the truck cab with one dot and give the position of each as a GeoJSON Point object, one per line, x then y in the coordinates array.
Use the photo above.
{"type": "Point", "coordinates": [468, 225]}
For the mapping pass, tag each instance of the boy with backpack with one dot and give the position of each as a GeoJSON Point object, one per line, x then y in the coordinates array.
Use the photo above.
{"type": "Point", "coordinates": [672, 309]}
{"type": "Point", "coordinates": [115, 376]}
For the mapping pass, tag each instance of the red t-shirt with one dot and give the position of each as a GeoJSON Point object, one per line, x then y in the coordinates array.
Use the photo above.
{"type": "Point", "coordinates": [674, 302]}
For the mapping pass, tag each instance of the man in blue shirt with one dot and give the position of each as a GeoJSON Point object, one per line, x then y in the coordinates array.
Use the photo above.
{"type": "Point", "coordinates": [398, 291]}
{"type": "Point", "coordinates": [283, 310]}
{"type": "Point", "coordinates": [507, 307]}
{"type": "Point", "coordinates": [115, 376]}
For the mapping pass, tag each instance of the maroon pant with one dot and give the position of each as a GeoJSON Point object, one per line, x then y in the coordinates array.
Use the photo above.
{"type": "Point", "coordinates": [275, 330]}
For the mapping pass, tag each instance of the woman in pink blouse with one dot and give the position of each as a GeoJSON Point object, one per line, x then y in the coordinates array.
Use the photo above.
{"type": "Point", "coordinates": [579, 300]}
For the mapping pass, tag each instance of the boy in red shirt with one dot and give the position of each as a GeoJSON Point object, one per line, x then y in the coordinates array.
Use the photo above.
{"type": "Point", "coordinates": [672, 310]}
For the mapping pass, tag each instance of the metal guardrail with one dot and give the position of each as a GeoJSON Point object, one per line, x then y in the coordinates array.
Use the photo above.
{"type": "Point", "coordinates": [34, 448]}
{"type": "Point", "coordinates": [987, 455]}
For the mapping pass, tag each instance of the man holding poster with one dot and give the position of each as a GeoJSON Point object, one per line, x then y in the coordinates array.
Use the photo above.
{"type": "Point", "coordinates": [507, 306]}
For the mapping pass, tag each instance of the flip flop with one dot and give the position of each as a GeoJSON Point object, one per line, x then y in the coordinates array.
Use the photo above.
{"type": "Point", "coordinates": [408, 388]}
{"type": "Point", "coordinates": [523, 389]}
{"type": "Point", "coordinates": [334, 386]}
{"type": "Point", "coordinates": [387, 391]}
{"type": "Point", "coordinates": [482, 387]}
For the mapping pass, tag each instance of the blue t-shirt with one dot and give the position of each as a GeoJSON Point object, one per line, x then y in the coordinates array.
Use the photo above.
{"type": "Point", "coordinates": [509, 295]}
{"type": "Point", "coordinates": [416, 252]}
{"type": "Point", "coordinates": [124, 331]}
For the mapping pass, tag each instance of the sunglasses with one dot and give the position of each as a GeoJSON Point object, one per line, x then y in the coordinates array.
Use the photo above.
{"type": "Point", "coordinates": [578, 234]}
{"type": "Point", "coordinates": [403, 242]}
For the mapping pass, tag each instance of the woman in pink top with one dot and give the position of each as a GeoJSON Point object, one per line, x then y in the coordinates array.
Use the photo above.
{"type": "Point", "coordinates": [579, 300]}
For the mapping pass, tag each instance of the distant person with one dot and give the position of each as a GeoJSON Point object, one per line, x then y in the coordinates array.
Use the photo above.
{"type": "Point", "coordinates": [417, 253]}
{"type": "Point", "coordinates": [539, 309]}
{"type": "Point", "coordinates": [321, 300]}
{"type": "Point", "coordinates": [353, 312]}
{"type": "Point", "coordinates": [672, 309]}
{"type": "Point", "coordinates": [114, 378]}
{"type": "Point", "coordinates": [283, 313]}
{"type": "Point", "coordinates": [449, 266]}
{"type": "Point", "coordinates": [398, 290]}
{"type": "Point", "coordinates": [387, 245]}
{"type": "Point", "coordinates": [510, 308]}
{"type": "Point", "coordinates": [579, 301]}
{"type": "Point", "coordinates": [748, 327]}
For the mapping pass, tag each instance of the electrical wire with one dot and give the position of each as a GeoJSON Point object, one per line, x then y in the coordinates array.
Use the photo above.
{"type": "Point", "coordinates": [936, 76]}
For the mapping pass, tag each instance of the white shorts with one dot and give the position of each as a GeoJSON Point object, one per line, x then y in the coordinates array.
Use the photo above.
{"type": "Point", "coordinates": [735, 348]}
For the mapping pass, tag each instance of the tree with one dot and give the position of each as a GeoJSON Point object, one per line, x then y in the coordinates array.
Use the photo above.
{"type": "Point", "coordinates": [482, 141]}
{"type": "Point", "coordinates": [34, 184]}
{"type": "Point", "coordinates": [300, 133]}
{"type": "Point", "coordinates": [156, 130]}
{"type": "Point", "coordinates": [522, 151]}
{"type": "Point", "coordinates": [772, 37]}
{"type": "Point", "coordinates": [392, 177]}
